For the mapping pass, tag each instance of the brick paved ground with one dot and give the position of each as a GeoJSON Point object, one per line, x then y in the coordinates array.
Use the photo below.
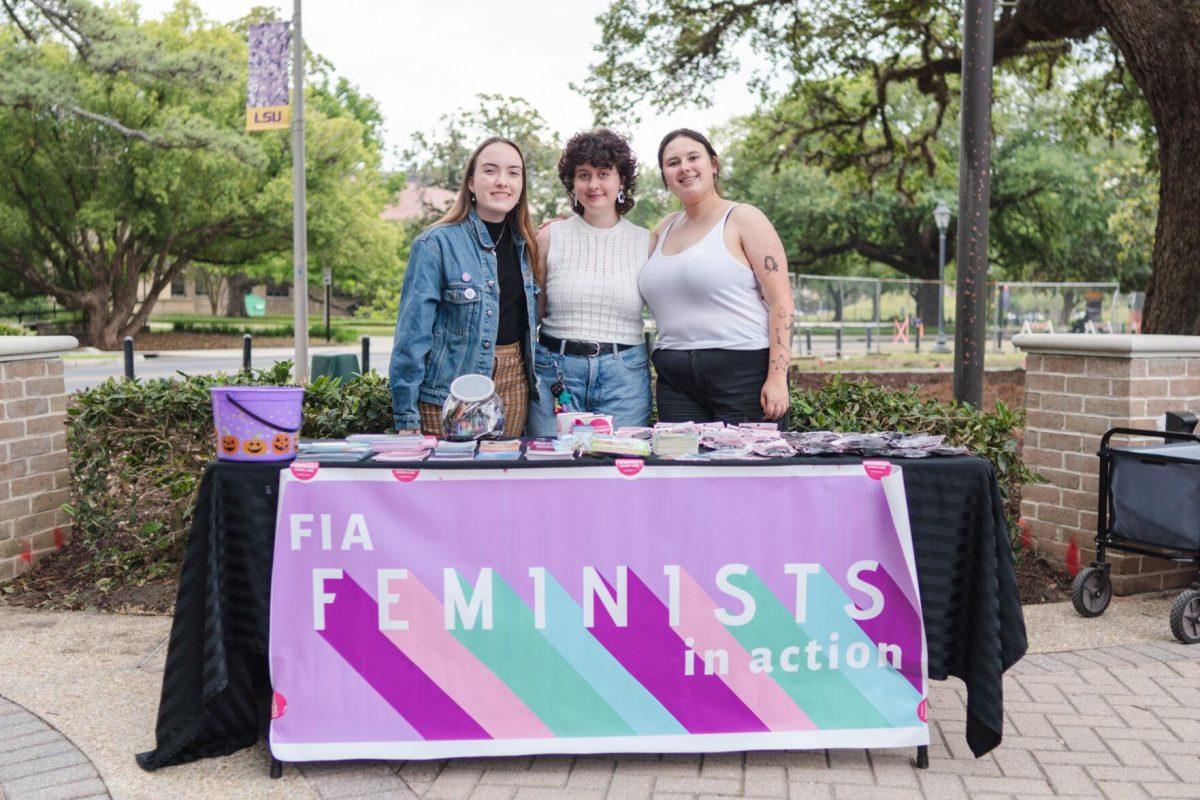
{"type": "Point", "coordinates": [1111, 722]}
{"type": "Point", "coordinates": [1120, 723]}
{"type": "Point", "coordinates": [39, 763]}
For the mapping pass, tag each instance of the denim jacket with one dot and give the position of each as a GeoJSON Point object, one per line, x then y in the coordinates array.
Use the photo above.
{"type": "Point", "coordinates": [449, 314]}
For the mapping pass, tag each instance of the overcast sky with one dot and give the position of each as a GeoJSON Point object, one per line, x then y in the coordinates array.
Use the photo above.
{"type": "Point", "coordinates": [422, 59]}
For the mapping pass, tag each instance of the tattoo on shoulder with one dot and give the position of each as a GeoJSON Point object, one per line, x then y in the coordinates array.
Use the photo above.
{"type": "Point", "coordinates": [770, 264]}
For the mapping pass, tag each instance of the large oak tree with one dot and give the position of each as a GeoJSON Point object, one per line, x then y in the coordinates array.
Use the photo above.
{"type": "Point", "coordinates": [671, 51]}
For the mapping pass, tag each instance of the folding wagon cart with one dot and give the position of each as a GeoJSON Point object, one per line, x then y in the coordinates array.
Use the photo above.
{"type": "Point", "coordinates": [1150, 505]}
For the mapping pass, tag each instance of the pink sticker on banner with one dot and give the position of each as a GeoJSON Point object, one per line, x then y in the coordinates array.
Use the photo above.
{"type": "Point", "coordinates": [629, 466]}
{"type": "Point", "coordinates": [278, 705]}
{"type": "Point", "coordinates": [405, 475]}
{"type": "Point", "coordinates": [305, 470]}
{"type": "Point", "coordinates": [877, 469]}
{"type": "Point", "coordinates": [923, 710]}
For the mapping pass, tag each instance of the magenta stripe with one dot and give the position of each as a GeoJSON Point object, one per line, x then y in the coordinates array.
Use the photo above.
{"type": "Point", "coordinates": [897, 624]}
{"type": "Point", "coordinates": [352, 628]}
{"type": "Point", "coordinates": [650, 650]}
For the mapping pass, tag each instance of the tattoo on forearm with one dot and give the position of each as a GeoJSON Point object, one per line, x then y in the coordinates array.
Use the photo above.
{"type": "Point", "coordinates": [780, 363]}
{"type": "Point", "coordinates": [770, 264]}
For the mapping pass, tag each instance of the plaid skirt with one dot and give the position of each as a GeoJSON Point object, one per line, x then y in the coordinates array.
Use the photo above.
{"type": "Point", "coordinates": [508, 373]}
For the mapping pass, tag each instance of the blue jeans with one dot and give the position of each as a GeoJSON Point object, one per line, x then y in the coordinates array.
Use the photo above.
{"type": "Point", "coordinates": [616, 384]}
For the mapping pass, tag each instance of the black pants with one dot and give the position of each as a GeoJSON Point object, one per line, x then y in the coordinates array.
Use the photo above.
{"type": "Point", "coordinates": [711, 385]}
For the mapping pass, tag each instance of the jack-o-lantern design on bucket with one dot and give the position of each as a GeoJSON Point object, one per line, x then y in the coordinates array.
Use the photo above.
{"type": "Point", "coordinates": [229, 444]}
{"type": "Point", "coordinates": [281, 444]}
{"type": "Point", "coordinates": [254, 447]}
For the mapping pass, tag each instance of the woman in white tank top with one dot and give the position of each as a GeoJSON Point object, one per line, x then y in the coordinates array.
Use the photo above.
{"type": "Point", "coordinates": [718, 288]}
{"type": "Point", "coordinates": [590, 354]}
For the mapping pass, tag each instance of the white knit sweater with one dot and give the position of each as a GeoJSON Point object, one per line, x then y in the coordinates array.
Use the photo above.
{"type": "Point", "coordinates": [592, 281]}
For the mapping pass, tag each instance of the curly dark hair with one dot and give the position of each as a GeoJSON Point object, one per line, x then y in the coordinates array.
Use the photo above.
{"type": "Point", "coordinates": [600, 148]}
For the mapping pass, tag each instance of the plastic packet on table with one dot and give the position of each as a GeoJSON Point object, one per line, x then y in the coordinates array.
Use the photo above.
{"type": "Point", "coordinates": [636, 433]}
{"type": "Point", "coordinates": [716, 438]}
{"type": "Point", "coordinates": [776, 448]}
{"type": "Point", "coordinates": [905, 452]}
{"type": "Point", "coordinates": [949, 450]}
{"type": "Point", "coordinates": [920, 441]}
{"type": "Point", "coordinates": [868, 444]}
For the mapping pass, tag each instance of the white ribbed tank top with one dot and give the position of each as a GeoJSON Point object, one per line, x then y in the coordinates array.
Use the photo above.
{"type": "Point", "coordinates": [703, 298]}
{"type": "Point", "coordinates": [592, 281]}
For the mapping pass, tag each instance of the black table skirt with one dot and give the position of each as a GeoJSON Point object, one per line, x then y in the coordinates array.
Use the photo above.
{"type": "Point", "coordinates": [216, 691]}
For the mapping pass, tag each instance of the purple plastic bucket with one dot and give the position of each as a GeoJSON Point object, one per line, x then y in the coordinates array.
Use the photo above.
{"type": "Point", "coordinates": [257, 423]}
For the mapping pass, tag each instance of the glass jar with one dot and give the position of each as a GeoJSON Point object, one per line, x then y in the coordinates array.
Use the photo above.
{"type": "Point", "coordinates": [472, 410]}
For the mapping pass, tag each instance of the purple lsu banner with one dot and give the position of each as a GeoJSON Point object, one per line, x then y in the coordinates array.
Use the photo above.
{"type": "Point", "coordinates": [439, 613]}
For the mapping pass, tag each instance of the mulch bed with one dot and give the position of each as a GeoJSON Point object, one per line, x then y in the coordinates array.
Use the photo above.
{"type": "Point", "coordinates": [54, 583]}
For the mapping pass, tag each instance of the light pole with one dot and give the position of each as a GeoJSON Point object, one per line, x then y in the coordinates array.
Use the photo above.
{"type": "Point", "coordinates": [941, 216]}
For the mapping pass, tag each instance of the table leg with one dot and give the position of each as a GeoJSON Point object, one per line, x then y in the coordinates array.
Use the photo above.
{"type": "Point", "coordinates": [276, 768]}
{"type": "Point", "coordinates": [923, 756]}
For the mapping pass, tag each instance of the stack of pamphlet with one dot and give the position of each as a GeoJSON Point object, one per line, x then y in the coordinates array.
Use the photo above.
{"type": "Point", "coordinates": [550, 450]}
{"type": "Point", "coordinates": [676, 443]}
{"type": "Point", "coordinates": [570, 421]}
{"type": "Point", "coordinates": [391, 447]}
{"type": "Point", "coordinates": [453, 451]}
{"type": "Point", "coordinates": [332, 451]}
{"type": "Point", "coordinates": [618, 446]}
{"type": "Point", "coordinates": [503, 450]}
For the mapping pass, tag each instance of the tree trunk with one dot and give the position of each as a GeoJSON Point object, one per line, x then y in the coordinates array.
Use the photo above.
{"type": "Point", "coordinates": [1069, 299]}
{"type": "Point", "coordinates": [926, 296]}
{"type": "Point", "coordinates": [1160, 42]}
{"type": "Point", "coordinates": [237, 285]}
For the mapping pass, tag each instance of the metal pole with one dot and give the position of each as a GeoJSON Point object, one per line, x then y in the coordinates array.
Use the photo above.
{"type": "Point", "coordinates": [299, 204]}
{"type": "Point", "coordinates": [974, 188]}
{"type": "Point", "coordinates": [940, 347]}
{"type": "Point", "coordinates": [328, 290]}
{"type": "Point", "coordinates": [839, 341]}
{"type": "Point", "coordinates": [246, 344]}
{"type": "Point", "coordinates": [999, 319]}
{"type": "Point", "coordinates": [366, 355]}
{"type": "Point", "coordinates": [808, 340]}
{"type": "Point", "coordinates": [127, 346]}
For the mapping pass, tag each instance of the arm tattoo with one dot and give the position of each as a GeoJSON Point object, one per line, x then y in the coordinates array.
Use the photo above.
{"type": "Point", "coordinates": [770, 264]}
{"type": "Point", "coordinates": [780, 363]}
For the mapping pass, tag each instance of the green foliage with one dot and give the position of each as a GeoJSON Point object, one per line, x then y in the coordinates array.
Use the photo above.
{"type": "Point", "coordinates": [138, 450]}
{"type": "Point", "coordinates": [316, 331]}
{"type": "Point", "coordinates": [11, 330]}
{"type": "Point", "coordinates": [843, 405]}
{"type": "Point", "coordinates": [438, 159]}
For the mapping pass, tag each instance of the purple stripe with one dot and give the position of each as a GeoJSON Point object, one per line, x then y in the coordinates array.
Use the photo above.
{"type": "Point", "coordinates": [653, 653]}
{"type": "Point", "coordinates": [897, 624]}
{"type": "Point", "coordinates": [352, 628]}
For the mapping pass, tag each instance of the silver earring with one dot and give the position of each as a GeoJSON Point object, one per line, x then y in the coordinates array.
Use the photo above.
{"type": "Point", "coordinates": [621, 195]}
{"type": "Point", "coordinates": [574, 199]}
{"type": "Point", "coordinates": [472, 196]}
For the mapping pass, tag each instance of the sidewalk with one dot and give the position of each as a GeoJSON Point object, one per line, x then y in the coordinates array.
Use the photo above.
{"type": "Point", "coordinates": [1100, 708]}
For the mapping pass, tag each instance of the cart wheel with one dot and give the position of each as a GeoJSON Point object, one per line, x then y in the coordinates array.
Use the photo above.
{"type": "Point", "coordinates": [1091, 592]}
{"type": "Point", "coordinates": [1185, 616]}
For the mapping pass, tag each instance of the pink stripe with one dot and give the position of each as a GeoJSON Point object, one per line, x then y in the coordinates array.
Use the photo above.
{"type": "Point", "coordinates": [759, 691]}
{"type": "Point", "coordinates": [455, 669]}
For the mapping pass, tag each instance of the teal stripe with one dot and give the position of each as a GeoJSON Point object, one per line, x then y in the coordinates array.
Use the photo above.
{"type": "Point", "coordinates": [531, 667]}
{"type": "Point", "coordinates": [886, 689]}
{"type": "Point", "coordinates": [564, 630]}
{"type": "Point", "coordinates": [827, 696]}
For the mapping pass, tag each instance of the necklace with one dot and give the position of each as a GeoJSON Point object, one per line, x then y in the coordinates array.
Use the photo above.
{"type": "Point", "coordinates": [490, 249]}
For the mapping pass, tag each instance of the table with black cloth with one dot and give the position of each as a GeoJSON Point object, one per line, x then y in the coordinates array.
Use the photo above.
{"type": "Point", "coordinates": [216, 691]}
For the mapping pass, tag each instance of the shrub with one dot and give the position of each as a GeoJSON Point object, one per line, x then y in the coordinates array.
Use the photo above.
{"type": "Point", "coordinates": [12, 330]}
{"type": "Point", "coordinates": [843, 405]}
{"type": "Point", "coordinates": [138, 449]}
{"type": "Point", "coordinates": [315, 332]}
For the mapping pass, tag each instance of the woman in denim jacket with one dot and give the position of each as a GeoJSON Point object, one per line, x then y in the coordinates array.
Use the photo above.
{"type": "Point", "coordinates": [469, 299]}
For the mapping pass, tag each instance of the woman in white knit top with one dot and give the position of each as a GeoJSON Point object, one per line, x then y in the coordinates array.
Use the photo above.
{"type": "Point", "coordinates": [591, 355]}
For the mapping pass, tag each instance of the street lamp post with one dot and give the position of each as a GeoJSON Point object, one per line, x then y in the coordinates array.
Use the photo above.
{"type": "Point", "coordinates": [941, 216]}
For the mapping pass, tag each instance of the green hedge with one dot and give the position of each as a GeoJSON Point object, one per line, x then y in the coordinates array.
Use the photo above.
{"type": "Point", "coordinates": [138, 449]}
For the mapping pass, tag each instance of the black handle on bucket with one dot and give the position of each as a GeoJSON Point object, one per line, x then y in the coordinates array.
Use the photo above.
{"type": "Point", "coordinates": [257, 418]}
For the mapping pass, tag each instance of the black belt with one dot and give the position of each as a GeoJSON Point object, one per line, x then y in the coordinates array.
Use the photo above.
{"type": "Point", "coordinates": [580, 348]}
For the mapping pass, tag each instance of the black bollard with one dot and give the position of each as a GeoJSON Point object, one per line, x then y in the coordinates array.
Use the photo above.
{"type": "Point", "coordinates": [917, 338]}
{"type": "Point", "coordinates": [366, 355]}
{"type": "Point", "coordinates": [246, 340]}
{"type": "Point", "coordinates": [868, 341]}
{"type": "Point", "coordinates": [999, 339]}
{"type": "Point", "coordinates": [127, 346]}
{"type": "Point", "coordinates": [808, 340]}
{"type": "Point", "coordinates": [838, 335]}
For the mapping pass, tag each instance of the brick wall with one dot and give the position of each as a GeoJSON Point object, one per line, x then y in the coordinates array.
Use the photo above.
{"type": "Point", "coordinates": [33, 461]}
{"type": "Point", "coordinates": [1076, 388]}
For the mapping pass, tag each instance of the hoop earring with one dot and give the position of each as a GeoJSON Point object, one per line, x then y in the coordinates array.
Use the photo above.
{"type": "Point", "coordinates": [621, 195]}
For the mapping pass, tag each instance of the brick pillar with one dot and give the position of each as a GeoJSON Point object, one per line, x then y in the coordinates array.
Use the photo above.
{"type": "Point", "coordinates": [33, 450]}
{"type": "Point", "coordinates": [1077, 386]}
